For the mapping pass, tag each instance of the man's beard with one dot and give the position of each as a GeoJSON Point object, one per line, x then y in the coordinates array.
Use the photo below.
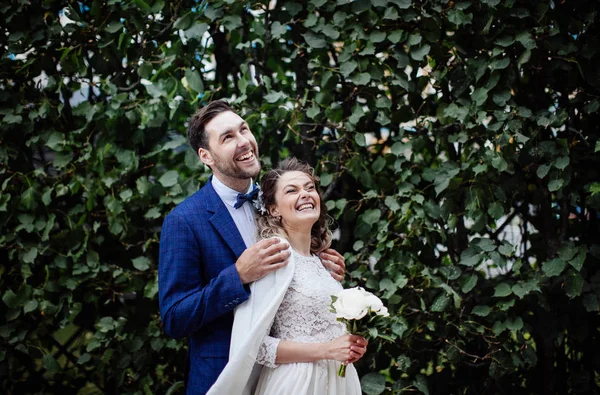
{"type": "Point", "coordinates": [231, 170]}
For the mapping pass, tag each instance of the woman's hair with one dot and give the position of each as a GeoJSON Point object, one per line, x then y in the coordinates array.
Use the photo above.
{"type": "Point", "coordinates": [270, 226]}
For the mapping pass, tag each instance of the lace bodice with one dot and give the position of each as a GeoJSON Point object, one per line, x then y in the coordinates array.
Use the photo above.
{"type": "Point", "coordinates": [304, 314]}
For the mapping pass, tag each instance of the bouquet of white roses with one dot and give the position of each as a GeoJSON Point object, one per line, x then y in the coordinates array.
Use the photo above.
{"type": "Point", "coordinates": [357, 308]}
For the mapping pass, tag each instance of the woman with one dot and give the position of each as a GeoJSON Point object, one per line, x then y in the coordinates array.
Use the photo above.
{"type": "Point", "coordinates": [285, 339]}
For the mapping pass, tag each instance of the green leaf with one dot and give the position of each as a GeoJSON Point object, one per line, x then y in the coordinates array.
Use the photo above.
{"type": "Point", "coordinates": [542, 171]}
{"type": "Point", "coordinates": [414, 39]}
{"type": "Point", "coordinates": [50, 364]}
{"type": "Point", "coordinates": [392, 203]}
{"type": "Point", "coordinates": [469, 283]}
{"type": "Point", "coordinates": [495, 210]}
{"type": "Point", "coordinates": [360, 140]}
{"type": "Point", "coordinates": [274, 97]}
{"type": "Point", "coordinates": [196, 31]}
{"type": "Point", "coordinates": [169, 178]}
{"type": "Point", "coordinates": [313, 112]}
{"type": "Point", "coordinates": [114, 26]}
{"type": "Point", "coordinates": [502, 290]}
{"type": "Point", "coordinates": [419, 54]}
{"type": "Point", "coordinates": [573, 284]}
{"type": "Point", "coordinates": [480, 168]}
{"type": "Point", "coordinates": [30, 255]}
{"type": "Point", "coordinates": [527, 40]}
{"type": "Point", "coordinates": [373, 383]}
{"type": "Point", "coordinates": [402, 4]}
{"type": "Point", "coordinates": [590, 302]}
{"type": "Point", "coordinates": [30, 306]}
{"type": "Point", "coordinates": [330, 32]}
{"type": "Point", "coordinates": [141, 263]}
{"type": "Point", "coordinates": [105, 324]}
{"type": "Point", "coordinates": [84, 358]}
{"type": "Point", "coordinates": [371, 216]}
{"type": "Point", "coordinates": [553, 267]}
{"type": "Point", "coordinates": [277, 29]}
{"type": "Point", "coordinates": [562, 162]}
{"type": "Point", "coordinates": [175, 388]}
{"type": "Point", "coordinates": [361, 78]}
{"type": "Point", "coordinates": [470, 257]}
{"type": "Point", "coordinates": [399, 327]}
{"type": "Point", "coordinates": [153, 213]}
{"type": "Point", "coordinates": [194, 80]}
{"type": "Point", "coordinates": [421, 384]}
{"type": "Point", "coordinates": [11, 118]}
{"type": "Point", "coordinates": [506, 249]}
{"type": "Point", "coordinates": [514, 324]}
{"type": "Point", "coordinates": [184, 22]}
{"type": "Point", "coordinates": [481, 310]}
{"type": "Point", "coordinates": [499, 64]}
{"type": "Point", "coordinates": [348, 67]}
{"type": "Point", "coordinates": [10, 299]}
{"type": "Point", "coordinates": [555, 185]}
{"type": "Point", "coordinates": [502, 97]}
{"type": "Point", "coordinates": [577, 262]}
{"type": "Point", "coordinates": [440, 303]}
{"type": "Point", "coordinates": [314, 41]}
{"type": "Point", "coordinates": [459, 18]}
{"type": "Point", "coordinates": [485, 244]}
{"type": "Point", "coordinates": [480, 96]}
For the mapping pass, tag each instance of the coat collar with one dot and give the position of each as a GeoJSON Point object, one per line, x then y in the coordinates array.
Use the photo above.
{"type": "Point", "coordinates": [222, 221]}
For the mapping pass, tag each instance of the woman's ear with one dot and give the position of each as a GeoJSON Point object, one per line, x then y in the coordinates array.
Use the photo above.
{"type": "Point", "coordinates": [274, 212]}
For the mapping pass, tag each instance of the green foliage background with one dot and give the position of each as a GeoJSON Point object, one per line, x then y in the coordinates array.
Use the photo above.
{"type": "Point", "coordinates": [436, 126]}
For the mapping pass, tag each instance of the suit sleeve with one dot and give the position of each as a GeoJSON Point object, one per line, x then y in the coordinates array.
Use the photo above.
{"type": "Point", "coordinates": [187, 301]}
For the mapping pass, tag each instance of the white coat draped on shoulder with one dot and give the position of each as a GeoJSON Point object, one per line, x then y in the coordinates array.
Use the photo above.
{"type": "Point", "coordinates": [293, 304]}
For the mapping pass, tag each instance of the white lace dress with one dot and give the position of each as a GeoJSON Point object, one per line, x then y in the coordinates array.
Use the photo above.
{"type": "Point", "coordinates": [304, 316]}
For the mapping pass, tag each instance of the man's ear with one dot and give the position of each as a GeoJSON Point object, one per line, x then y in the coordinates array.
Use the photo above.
{"type": "Point", "coordinates": [205, 157]}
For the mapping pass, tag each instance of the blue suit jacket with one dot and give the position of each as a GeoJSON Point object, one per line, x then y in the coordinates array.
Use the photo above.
{"type": "Point", "coordinates": [198, 284]}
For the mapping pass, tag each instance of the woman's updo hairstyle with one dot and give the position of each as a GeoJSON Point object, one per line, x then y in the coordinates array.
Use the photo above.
{"type": "Point", "coordinates": [270, 226]}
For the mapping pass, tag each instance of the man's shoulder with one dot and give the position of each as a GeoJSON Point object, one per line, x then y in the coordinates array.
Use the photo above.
{"type": "Point", "coordinates": [196, 203]}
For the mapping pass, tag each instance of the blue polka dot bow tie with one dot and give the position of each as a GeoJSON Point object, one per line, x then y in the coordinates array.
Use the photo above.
{"type": "Point", "coordinates": [246, 197]}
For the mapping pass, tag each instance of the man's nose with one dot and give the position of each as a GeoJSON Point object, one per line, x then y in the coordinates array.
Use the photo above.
{"type": "Point", "coordinates": [243, 141]}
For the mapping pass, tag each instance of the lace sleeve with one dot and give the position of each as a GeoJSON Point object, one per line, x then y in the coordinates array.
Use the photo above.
{"type": "Point", "coordinates": [267, 353]}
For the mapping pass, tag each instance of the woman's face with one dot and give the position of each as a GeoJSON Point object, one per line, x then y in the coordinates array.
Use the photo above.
{"type": "Point", "coordinates": [296, 200]}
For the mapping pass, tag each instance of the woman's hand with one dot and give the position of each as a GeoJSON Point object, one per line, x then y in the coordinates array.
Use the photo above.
{"type": "Point", "coordinates": [347, 348]}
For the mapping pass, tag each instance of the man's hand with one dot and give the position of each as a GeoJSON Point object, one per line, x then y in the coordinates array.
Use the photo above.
{"type": "Point", "coordinates": [334, 262]}
{"type": "Point", "coordinates": [261, 259]}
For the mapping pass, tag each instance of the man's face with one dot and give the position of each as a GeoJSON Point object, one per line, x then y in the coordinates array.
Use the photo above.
{"type": "Point", "coordinates": [232, 151]}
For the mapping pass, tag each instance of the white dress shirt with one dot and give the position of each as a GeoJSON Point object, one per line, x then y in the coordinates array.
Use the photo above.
{"type": "Point", "coordinates": [244, 217]}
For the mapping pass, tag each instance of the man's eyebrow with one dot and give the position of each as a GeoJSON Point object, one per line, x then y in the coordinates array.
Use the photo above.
{"type": "Point", "coordinates": [242, 124]}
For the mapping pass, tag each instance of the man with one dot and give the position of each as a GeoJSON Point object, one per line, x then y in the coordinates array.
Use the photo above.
{"type": "Point", "coordinates": [208, 251]}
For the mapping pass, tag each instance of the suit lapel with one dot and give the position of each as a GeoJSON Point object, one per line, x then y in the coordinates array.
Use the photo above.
{"type": "Point", "coordinates": [222, 221]}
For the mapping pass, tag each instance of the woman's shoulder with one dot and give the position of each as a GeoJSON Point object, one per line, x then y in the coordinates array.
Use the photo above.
{"type": "Point", "coordinates": [281, 239]}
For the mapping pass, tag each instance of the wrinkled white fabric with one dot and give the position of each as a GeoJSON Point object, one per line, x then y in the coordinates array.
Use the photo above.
{"type": "Point", "coordinates": [291, 303]}
{"type": "Point", "coordinates": [304, 316]}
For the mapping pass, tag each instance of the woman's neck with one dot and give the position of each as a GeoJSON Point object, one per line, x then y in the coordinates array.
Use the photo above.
{"type": "Point", "coordinates": [299, 240]}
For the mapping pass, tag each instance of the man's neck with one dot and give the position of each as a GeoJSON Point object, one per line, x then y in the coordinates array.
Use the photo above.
{"type": "Point", "coordinates": [240, 185]}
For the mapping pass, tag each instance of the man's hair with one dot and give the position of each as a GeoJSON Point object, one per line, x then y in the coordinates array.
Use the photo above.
{"type": "Point", "coordinates": [196, 133]}
{"type": "Point", "coordinates": [269, 226]}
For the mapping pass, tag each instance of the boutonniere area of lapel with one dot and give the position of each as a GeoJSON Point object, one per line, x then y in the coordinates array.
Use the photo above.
{"type": "Point", "coordinates": [258, 203]}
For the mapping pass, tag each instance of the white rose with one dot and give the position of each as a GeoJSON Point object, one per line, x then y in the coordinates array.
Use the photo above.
{"type": "Point", "coordinates": [351, 304]}
{"type": "Point", "coordinates": [383, 312]}
{"type": "Point", "coordinates": [375, 304]}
